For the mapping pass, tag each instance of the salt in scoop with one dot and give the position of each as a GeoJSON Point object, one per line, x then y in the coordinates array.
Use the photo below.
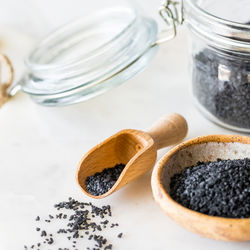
{"type": "Point", "coordinates": [134, 148]}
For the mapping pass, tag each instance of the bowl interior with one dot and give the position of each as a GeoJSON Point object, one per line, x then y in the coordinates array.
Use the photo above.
{"type": "Point", "coordinates": [209, 151]}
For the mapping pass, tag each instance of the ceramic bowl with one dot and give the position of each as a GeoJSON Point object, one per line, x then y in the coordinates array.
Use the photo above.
{"type": "Point", "coordinates": [206, 148]}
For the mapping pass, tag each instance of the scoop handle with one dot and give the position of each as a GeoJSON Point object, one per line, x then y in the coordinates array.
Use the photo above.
{"type": "Point", "coordinates": [168, 130]}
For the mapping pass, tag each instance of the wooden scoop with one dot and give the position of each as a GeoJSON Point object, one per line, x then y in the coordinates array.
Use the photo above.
{"type": "Point", "coordinates": [134, 148]}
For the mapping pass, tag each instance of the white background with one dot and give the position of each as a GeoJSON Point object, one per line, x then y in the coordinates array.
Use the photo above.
{"type": "Point", "coordinates": [40, 147]}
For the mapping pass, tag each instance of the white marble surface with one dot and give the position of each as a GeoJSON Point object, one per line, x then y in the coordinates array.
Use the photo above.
{"type": "Point", "coordinates": [41, 147]}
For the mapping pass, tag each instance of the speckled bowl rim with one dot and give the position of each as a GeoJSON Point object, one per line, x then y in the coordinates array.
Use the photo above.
{"type": "Point", "coordinates": [157, 172]}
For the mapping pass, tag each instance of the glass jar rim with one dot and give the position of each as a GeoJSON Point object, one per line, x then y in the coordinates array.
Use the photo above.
{"type": "Point", "coordinates": [219, 32]}
{"type": "Point", "coordinates": [44, 45]}
{"type": "Point", "coordinates": [129, 47]}
{"type": "Point", "coordinates": [203, 12]}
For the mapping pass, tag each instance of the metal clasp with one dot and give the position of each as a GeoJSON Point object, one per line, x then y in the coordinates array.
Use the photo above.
{"type": "Point", "coordinates": [172, 13]}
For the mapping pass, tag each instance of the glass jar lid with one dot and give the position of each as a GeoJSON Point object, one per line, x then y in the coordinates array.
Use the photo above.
{"type": "Point", "coordinates": [89, 56]}
{"type": "Point", "coordinates": [93, 54]}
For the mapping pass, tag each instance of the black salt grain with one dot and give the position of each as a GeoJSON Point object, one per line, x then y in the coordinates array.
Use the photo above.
{"type": "Point", "coordinates": [109, 247]}
{"type": "Point", "coordinates": [50, 241]}
{"type": "Point", "coordinates": [43, 234]}
{"type": "Point", "coordinates": [220, 188]}
{"type": "Point", "coordinates": [102, 182]}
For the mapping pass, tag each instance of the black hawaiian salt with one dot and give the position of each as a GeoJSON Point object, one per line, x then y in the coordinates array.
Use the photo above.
{"type": "Point", "coordinates": [220, 188]}
{"type": "Point", "coordinates": [221, 84]}
{"type": "Point", "coordinates": [102, 182]}
{"type": "Point", "coordinates": [81, 223]}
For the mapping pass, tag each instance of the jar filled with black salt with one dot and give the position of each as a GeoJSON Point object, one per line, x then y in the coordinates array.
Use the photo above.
{"type": "Point", "coordinates": [220, 60]}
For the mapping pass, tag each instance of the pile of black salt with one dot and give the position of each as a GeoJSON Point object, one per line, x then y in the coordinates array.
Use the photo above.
{"type": "Point", "coordinates": [220, 188]}
{"type": "Point", "coordinates": [221, 83]}
{"type": "Point", "coordinates": [102, 182]}
{"type": "Point", "coordinates": [84, 224]}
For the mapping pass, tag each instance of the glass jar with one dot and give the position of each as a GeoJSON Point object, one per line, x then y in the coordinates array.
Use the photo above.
{"type": "Point", "coordinates": [88, 56]}
{"type": "Point", "coordinates": [220, 60]}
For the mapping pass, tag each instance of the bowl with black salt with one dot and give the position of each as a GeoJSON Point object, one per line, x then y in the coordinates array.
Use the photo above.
{"type": "Point", "coordinates": [204, 185]}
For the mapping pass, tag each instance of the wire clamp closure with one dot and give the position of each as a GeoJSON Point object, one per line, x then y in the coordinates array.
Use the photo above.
{"type": "Point", "coordinates": [172, 14]}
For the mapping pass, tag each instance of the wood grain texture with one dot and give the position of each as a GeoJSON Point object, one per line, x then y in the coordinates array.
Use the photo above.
{"type": "Point", "coordinates": [232, 146]}
{"type": "Point", "coordinates": [136, 149]}
{"type": "Point", "coordinates": [169, 130]}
